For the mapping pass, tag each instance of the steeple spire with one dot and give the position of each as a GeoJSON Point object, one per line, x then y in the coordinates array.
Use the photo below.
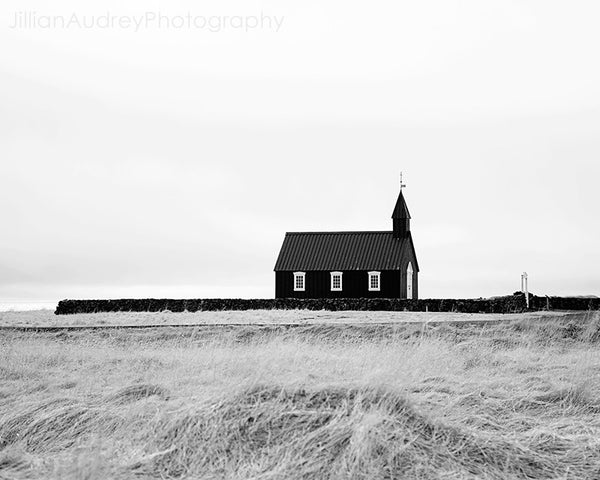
{"type": "Point", "coordinates": [401, 215]}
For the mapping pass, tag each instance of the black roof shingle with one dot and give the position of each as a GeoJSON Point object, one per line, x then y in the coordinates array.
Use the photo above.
{"type": "Point", "coordinates": [340, 251]}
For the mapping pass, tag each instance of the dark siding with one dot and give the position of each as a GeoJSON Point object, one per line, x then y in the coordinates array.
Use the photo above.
{"type": "Point", "coordinates": [354, 284]}
{"type": "Point", "coordinates": [408, 255]}
{"type": "Point", "coordinates": [401, 227]}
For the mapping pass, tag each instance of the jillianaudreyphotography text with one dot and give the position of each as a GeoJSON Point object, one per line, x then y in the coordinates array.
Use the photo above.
{"type": "Point", "coordinates": [29, 20]}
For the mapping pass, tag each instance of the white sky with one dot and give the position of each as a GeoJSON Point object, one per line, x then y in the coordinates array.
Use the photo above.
{"type": "Point", "coordinates": [170, 162]}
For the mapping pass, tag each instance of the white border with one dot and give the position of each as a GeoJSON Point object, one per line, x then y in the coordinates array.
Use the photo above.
{"type": "Point", "coordinates": [303, 276]}
{"type": "Point", "coordinates": [331, 281]}
{"type": "Point", "coordinates": [374, 274]}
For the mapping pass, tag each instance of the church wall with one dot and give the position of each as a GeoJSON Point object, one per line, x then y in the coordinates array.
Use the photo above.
{"type": "Point", "coordinates": [408, 255]}
{"type": "Point", "coordinates": [354, 285]}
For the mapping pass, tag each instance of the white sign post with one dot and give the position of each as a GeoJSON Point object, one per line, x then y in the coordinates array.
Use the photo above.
{"type": "Point", "coordinates": [524, 288]}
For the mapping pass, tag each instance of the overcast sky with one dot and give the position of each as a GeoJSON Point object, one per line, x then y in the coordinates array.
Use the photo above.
{"type": "Point", "coordinates": [169, 160]}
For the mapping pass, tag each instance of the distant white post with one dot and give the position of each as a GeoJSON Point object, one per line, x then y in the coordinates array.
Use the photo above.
{"type": "Point", "coordinates": [524, 288]}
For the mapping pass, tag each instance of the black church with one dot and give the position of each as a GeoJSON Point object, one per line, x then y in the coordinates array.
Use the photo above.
{"type": "Point", "coordinates": [350, 264]}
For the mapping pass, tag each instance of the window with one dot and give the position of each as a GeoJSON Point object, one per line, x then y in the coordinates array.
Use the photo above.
{"type": "Point", "coordinates": [409, 281]}
{"type": "Point", "coordinates": [299, 282]}
{"type": "Point", "coordinates": [336, 281]}
{"type": "Point", "coordinates": [374, 281]}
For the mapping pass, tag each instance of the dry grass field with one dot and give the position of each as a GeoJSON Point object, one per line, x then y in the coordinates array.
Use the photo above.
{"type": "Point", "coordinates": [47, 317]}
{"type": "Point", "coordinates": [324, 400]}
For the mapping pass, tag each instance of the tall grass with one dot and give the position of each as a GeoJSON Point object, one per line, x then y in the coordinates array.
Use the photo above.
{"type": "Point", "coordinates": [517, 400]}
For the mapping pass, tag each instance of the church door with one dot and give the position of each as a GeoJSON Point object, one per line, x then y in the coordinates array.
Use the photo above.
{"type": "Point", "coordinates": [409, 281]}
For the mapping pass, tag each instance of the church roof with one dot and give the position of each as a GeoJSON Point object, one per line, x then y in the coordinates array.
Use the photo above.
{"type": "Point", "coordinates": [309, 251]}
{"type": "Point", "coordinates": [400, 210]}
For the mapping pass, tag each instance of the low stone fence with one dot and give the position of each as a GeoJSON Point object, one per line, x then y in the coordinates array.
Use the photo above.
{"type": "Point", "coordinates": [508, 304]}
{"type": "Point", "coordinates": [563, 303]}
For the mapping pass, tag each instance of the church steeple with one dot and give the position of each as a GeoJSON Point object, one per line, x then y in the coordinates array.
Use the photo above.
{"type": "Point", "coordinates": [401, 216]}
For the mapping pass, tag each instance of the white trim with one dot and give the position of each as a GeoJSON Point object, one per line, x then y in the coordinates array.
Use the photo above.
{"type": "Point", "coordinates": [336, 274]}
{"type": "Point", "coordinates": [299, 276]}
{"type": "Point", "coordinates": [376, 275]}
{"type": "Point", "coordinates": [409, 281]}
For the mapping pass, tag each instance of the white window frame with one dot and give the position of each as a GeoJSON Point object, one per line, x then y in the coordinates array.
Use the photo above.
{"type": "Point", "coordinates": [410, 293]}
{"type": "Point", "coordinates": [332, 275]}
{"type": "Point", "coordinates": [376, 275]}
{"type": "Point", "coordinates": [297, 276]}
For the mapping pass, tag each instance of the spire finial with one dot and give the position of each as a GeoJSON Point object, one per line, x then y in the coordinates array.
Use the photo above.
{"type": "Point", "coordinates": [402, 185]}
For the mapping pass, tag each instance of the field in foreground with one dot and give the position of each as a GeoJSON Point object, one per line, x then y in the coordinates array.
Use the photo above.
{"type": "Point", "coordinates": [518, 399]}
{"type": "Point", "coordinates": [46, 318]}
